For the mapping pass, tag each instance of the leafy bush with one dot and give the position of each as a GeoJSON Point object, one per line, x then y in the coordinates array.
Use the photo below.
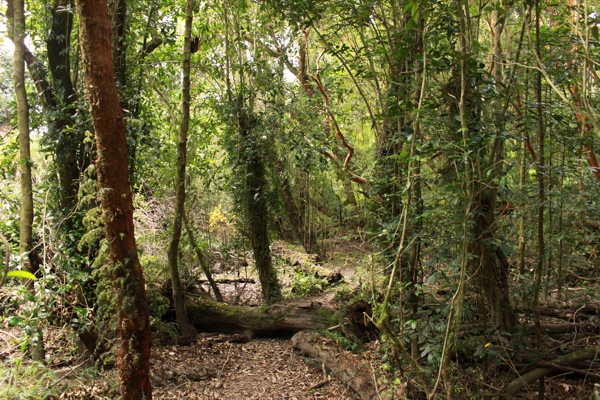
{"type": "Point", "coordinates": [306, 283]}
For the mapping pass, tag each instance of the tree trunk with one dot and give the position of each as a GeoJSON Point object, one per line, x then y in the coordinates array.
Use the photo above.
{"type": "Point", "coordinates": [32, 260]}
{"type": "Point", "coordinates": [349, 369]}
{"type": "Point", "coordinates": [256, 204]}
{"type": "Point", "coordinates": [67, 144]}
{"type": "Point", "coordinates": [186, 330]}
{"type": "Point", "coordinates": [118, 18]}
{"type": "Point", "coordinates": [58, 100]}
{"type": "Point", "coordinates": [26, 220]}
{"type": "Point", "coordinates": [295, 213]}
{"type": "Point", "coordinates": [116, 202]}
{"type": "Point", "coordinates": [488, 264]}
{"type": "Point", "coordinates": [282, 319]}
{"type": "Point", "coordinates": [200, 256]}
{"type": "Point", "coordinates": [539, 372]}
{"type": "Point", "coordinates": [540, 172]}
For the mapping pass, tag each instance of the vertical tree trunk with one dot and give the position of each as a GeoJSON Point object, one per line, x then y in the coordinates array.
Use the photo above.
{"type": "Point", "coordinates": [256, 204]}
{"type": "Point", "coordinates": [559, 272]}
{"type": "Point", "coordinates": [295, 213]}
{"type": "Point", "coordinates": [523, 214]}
{"type": "Point", "coordinates": [26, 219]}
{"type": "Point", "coordinates": [67, 144]}
{"type": "Point", "coordinates": [539, 268]}
{"type": "Point", "coordinates": [186, 329]}
{"type": "Point", "coordinates": [32, 261]}
{"type": "Point", "coordinates": [118, 17]}
{"type": "Point", "coordinates": [58, 101]}
{"type": "Point", "coordinates": [201, 260]}
{"type": "Point", "coordinates": [115, 198]}
{"type": "Point", "coordinates": [487, 263]}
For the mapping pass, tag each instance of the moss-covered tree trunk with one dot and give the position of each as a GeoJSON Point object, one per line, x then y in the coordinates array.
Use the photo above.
{"type": "Point", "coordinates": [186, 330]}
{"type": "Point", "coordinates": [66, 143]}
{"type": "Point", "coordinates": [256, 204]}
{"type": "Point", "coordinates": [116, 201]}
{"type": "Point", "coordinates": [487, 263]}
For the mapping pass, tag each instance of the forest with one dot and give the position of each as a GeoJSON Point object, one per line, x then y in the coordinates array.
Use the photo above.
{"type": "Point", "coordinates": [299, 199]}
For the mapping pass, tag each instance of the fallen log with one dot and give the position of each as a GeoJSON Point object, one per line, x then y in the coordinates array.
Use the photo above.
{"type": "Point", "coordinates": [354, 373]}
{"type": "Point", "coordinates": [282, 319]}
{"type": "Point", "coordinates": [541, 371]}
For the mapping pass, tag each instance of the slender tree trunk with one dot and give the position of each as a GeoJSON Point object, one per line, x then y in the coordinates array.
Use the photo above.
{"type": "Point", "coordinates": [186, 329]}
{"type": "Point", "coordinates": [295, 213]}
{"type": "Point", "coordinates": [578, 92]}
{"type": "Point", "coordinates": [116, 201]}
{"type": "Point", "coordinates": [539, 268]}
{"type": "Point", "coordinates": [200, 256]}
{"type": "Point", "coordinates": [58, 99]}
{"type": "Point", "coordinates": [559, 272]}
{"type": "Point", "coordinates": [25, 163]}
{"type": "Point", "coordinates": [118, 18]}
{"type": "Point", "coordinates": [523, 214]}
{"type": "Point", "coordinates": [31, 260]}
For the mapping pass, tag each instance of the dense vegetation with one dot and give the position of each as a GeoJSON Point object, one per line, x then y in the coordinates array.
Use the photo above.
{"type": "Point", "coordinates": [456, 137]}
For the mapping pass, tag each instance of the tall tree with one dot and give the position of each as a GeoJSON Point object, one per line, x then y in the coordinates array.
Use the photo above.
{"type": "Point", "coordinates": [26, 220]}
{"type": "Point", "coordinates": [186, 329]}
{"type": "Point", "coordinates": [66, 143]}
{"type": "Point", "coordinates": [243, 90]}
{"type": "Point", "coordinates": [484, 152]}
{"type": "Point", "coordinates": [26, 249]}
{"type": "Point", "coordinates": [116, 201]}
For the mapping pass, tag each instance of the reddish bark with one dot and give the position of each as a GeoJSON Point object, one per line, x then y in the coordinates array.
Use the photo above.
{"type": "Point", "coordinates": [115, 198]}
{"type": "Point", "coordinates": [303, 76]}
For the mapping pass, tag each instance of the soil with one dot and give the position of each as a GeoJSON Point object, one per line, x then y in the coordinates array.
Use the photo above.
{"type": "Point", "coordinates": [214, 368]}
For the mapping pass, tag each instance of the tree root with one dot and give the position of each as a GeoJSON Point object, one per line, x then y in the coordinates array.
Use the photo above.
{"type": "Point", "coordinates": [559, 363]}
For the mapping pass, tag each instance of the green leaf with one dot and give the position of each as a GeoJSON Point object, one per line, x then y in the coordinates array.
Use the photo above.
{"type": "Point", "coordinates": [21, 274]}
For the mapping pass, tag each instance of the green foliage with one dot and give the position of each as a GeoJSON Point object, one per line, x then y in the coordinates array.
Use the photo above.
{"type": "Point", "coordinates": [6, 85]}
{"type": "Point", "coordinates": [30, 314]}
{"type": "Point", "coordinates": [22, 379]}
{"type": "Point", "coordinates": [343, 342]}
{"type": "Point", "coordinates": [304, 282]}
{"type": "Point", "coordinates": [158, 304]}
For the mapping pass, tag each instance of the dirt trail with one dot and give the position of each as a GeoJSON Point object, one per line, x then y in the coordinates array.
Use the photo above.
{"type": "Point", "coordinates": [214, 368]}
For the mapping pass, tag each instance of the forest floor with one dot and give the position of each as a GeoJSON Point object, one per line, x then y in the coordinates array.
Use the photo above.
{"type": "Point", "coordinates": [219, 366]}
{"type": "Point", "coordinates": [215, 366]}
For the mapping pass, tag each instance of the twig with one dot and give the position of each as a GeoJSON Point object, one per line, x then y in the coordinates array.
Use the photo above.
{"type": "Point", "coordinates": [325, 380]}
{"type": "Point", "coordinates": [9, 334]}
{"type": "Point", "coordinates": [226, 362]}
